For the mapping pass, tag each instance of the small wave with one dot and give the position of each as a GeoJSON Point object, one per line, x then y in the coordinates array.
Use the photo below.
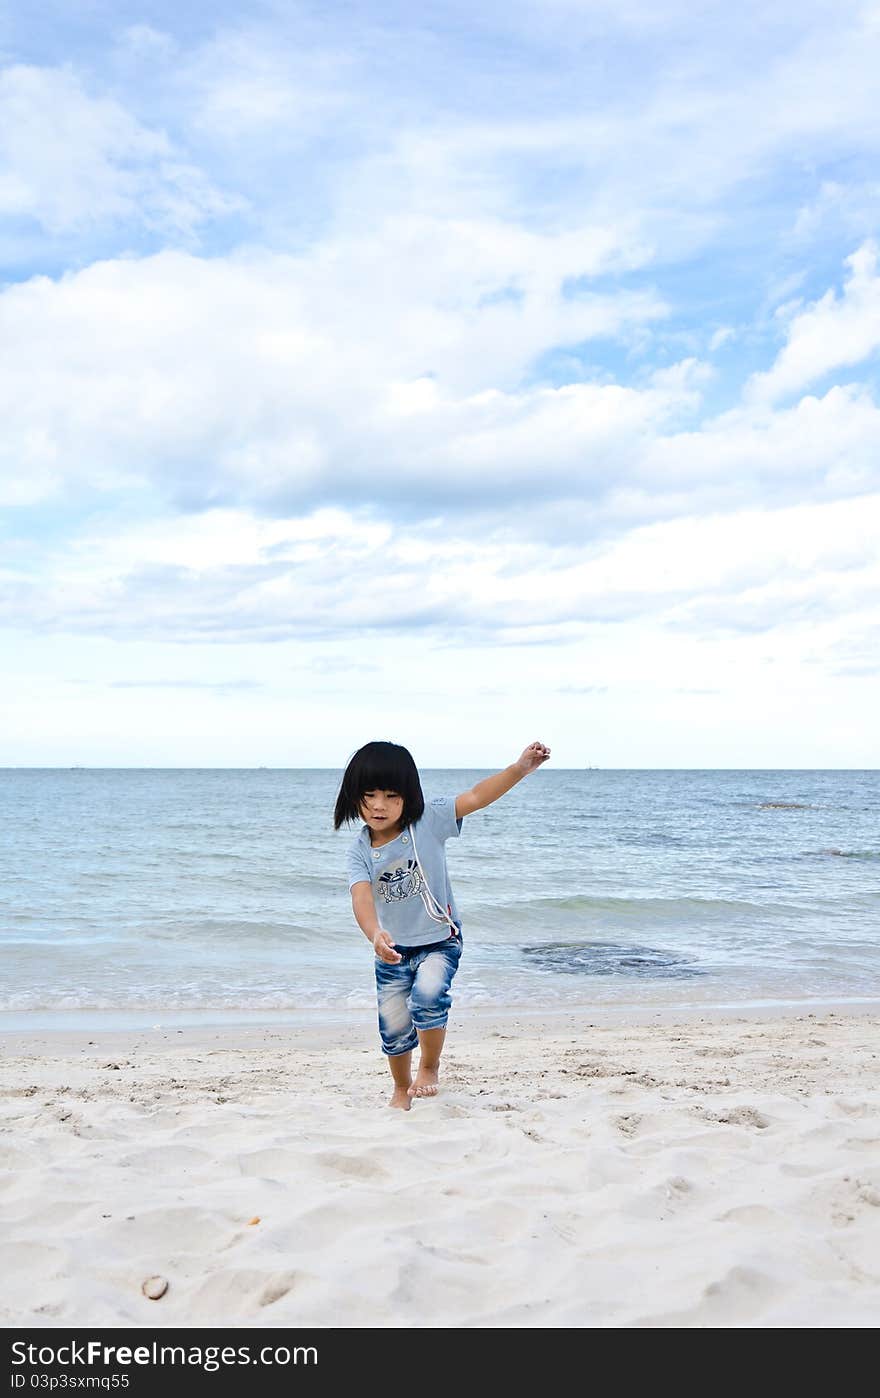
{"type": "Point", "coordinates": [96, 940]}
{"type": "Point", "coordinates": [239, 930]}
{"type": "Point", "coordinates": [166, 998]}
{"type": "Point", "coordinates": [785, 806]}
{"type": "Point", "coordinates": [850, 853]}
{"type": "Point", "coordinates": [677, 908]}
{"type": "Point", "coordinates": [650, 838]}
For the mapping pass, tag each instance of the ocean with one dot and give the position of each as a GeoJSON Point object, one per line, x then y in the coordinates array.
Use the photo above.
{"type": "Point", "coordinates": [179, 896]}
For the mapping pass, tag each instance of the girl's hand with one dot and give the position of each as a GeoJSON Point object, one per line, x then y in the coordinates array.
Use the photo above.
{"type": "Point", "coordinates": [532, 757]}
{"type": "Point", "coordinates": [384, 948]}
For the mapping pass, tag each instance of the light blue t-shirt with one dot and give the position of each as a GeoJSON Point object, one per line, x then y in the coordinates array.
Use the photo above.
{"type": "Point", "coordinates": [398, 888]}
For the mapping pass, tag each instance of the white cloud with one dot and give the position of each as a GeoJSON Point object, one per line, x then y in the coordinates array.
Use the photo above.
{"type": "Point", "coordinates": [242, 86]}
{"type": "Point", "coordinates": [232, 577]}
{"type": "Point", "coordinates": [833, 332]}
{"type": "Point", "coordinates": [277, 378]}
{"type": "Point", "coordinates": [823, 447]}
{"type": "Point", "coordinates": [685, 377]}
{"type": "Point", "coordinates": [74, 162]}
{"type": "Point", "coordinates": [142, 40]}
{"type": "Point", "coordinates": [344, 378]}
{"type": "Point", "coordinates": [660, 149]}
{"type": "Point", "coordinates": [852, 208]}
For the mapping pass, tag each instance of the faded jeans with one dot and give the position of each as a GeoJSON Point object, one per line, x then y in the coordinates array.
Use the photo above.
{"type": "Point", "coordinates": [414, 993]}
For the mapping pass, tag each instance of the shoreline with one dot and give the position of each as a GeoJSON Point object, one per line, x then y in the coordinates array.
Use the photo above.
{"type": "Point", "coordinates": [357, 1028]}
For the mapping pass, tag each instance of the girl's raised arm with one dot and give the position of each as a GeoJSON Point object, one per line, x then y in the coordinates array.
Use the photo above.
{"type": "Point", "coordinates": [484, 792]}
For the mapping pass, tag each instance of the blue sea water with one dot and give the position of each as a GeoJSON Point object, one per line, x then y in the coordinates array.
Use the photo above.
{"type": "Point", "coordinates": [152, 893]}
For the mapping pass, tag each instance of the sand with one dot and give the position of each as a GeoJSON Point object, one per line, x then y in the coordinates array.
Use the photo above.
{"type": "Point", "coordinates": [716, 1171]}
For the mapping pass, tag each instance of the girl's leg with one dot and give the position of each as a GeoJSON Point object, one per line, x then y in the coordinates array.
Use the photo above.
{"type": "Point", "coordinates": [401, 1071]}
{"type": "Point", "coordinates": [429, 1005]}
{"type": "Point", "coordinates": [428, 1077]}
{"type": "Point", "coordinates": [393, 985]}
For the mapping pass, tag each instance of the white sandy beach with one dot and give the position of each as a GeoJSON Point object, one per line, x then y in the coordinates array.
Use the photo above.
{"type": "Point", "coordinates": [709, 1172]}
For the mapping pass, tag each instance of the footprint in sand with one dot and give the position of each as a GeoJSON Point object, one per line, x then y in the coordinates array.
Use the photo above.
{"type": "Point", "coordinates": [243, 1292]}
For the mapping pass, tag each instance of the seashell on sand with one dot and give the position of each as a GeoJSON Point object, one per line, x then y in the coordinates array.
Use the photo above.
{"type": "Point", "coordinates": [154, 1287]}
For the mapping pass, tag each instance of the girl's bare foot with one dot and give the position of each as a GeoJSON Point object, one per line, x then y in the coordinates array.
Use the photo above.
{"type": "Point", "coordinates": [401, 1098]}
{"type": "Point", "coordinates": [426, 1083]}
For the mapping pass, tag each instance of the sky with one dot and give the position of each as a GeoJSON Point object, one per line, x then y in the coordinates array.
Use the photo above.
{"type": "Point", "coordinates": [457, 375]}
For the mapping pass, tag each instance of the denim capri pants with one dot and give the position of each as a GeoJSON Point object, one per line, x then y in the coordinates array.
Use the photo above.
{"type": "Point", "coordinates": [414, 994]}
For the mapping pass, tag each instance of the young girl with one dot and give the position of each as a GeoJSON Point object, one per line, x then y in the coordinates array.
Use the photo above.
{"type": "Point", "coordinates": [403, 901]}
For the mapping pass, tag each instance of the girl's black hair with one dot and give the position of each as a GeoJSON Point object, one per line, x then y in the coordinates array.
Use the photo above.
{"type": "Point", "coordinates": [379, 767]}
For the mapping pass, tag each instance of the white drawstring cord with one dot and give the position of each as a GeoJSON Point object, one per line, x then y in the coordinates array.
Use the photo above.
{"type": "Point", "coordinates": [438, 913]}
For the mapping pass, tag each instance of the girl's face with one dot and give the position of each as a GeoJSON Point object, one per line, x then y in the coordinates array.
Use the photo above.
{"type": "Point", "coordinates": [382, 811]}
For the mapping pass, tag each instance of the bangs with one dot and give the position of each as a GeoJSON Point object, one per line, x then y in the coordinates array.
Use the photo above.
{"type": "Point", "coordinates": [381, 772]}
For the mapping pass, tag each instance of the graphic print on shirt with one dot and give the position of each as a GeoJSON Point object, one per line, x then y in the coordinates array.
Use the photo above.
{"type": "Point", "coordinates": [402, 882]}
